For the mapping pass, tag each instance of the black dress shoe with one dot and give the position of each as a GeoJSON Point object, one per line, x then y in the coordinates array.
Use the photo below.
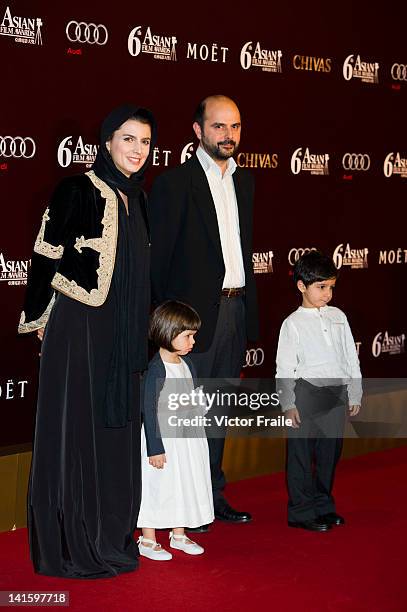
{"type": "Point", "coordinates": [332, 519]}
{"type": "Point", "coordinates": [201, 529]}
{"type": "Point", "coordinates": [311, 525]}
{"type": "Point", "coordinates": [226, 513]}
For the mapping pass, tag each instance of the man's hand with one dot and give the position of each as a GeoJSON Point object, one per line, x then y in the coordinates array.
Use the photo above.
{"type": "Point", "coordinates": [157, 461]}
{"type": "Point", "coordinates": [294, 415]}
{"type": "Point", "coordinates": [40, 333]}
{"type": "Point", "coordinates": [353, 410]}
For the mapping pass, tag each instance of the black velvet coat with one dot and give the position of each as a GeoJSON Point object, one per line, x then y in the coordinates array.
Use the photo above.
{"type": "Point", "coordinates": [75, 249]}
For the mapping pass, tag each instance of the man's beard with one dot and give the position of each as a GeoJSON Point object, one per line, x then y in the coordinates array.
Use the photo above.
{"type": "Point", "coordinates": [216, 152]}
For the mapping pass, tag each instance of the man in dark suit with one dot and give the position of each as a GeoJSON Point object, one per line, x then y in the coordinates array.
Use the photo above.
{"type": "Point", "coordinates": [201, 229]}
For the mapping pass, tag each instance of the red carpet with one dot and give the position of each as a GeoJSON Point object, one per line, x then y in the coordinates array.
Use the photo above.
{"type": "Point", "coordinates": [264, 565]}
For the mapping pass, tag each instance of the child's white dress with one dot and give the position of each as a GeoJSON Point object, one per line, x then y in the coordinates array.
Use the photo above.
{"type": "Point", "coordinates": [180, 494]}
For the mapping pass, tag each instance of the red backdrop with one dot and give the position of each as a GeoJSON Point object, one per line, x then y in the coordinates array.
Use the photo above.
{"type": "Point", "coordinates": [322, 92]}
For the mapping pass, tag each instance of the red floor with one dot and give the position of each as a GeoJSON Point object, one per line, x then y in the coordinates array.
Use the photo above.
{"type": "Point", "coordinates": [264, 565]}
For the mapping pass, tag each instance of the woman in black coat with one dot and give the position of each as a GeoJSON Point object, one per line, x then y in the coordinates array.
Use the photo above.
{"type": "Point", "coordinates": [89, 288]}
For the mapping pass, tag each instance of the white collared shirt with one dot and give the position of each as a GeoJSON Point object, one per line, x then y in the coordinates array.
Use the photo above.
{"type": "Point", "coordinates": [316, 344]}
{"type": "Point", "coordinates": [224, 197]}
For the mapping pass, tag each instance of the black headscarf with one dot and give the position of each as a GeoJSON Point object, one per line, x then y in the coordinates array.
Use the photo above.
{"type": "Point", "coordinates": [104, 166]}
{"type": "Point", "coordinates": [130, 281]}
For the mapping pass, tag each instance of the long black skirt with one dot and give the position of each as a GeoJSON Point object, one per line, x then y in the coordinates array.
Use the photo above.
{"type": "Point", "coordinates": [84, 491]}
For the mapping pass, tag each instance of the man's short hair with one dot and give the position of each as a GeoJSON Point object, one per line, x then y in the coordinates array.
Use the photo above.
{"type": "Point", "coordinates": [199, 115]}
{"type": "Point", "coordinates": [171, 319]}
{"type": "Point", "coordinates": [313, 267]}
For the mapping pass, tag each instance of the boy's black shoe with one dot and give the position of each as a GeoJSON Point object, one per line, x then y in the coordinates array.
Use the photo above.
{"type": "Point", "coordinates": [312, 525]}
{"type": "Point", "coordinates": [332, 519]}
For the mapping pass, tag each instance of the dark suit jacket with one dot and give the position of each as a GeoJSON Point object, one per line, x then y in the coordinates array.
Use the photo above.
{"type": "Point", "coordinates": [151, 386]}
{"type": "Point", "coordinates": [187, 262]}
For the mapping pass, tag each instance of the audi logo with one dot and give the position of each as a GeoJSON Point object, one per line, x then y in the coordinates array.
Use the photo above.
{"type": "Point", "coordinates": [399, 72]}
{"type": "Point", "coordinates": [295, 254]}
{"type": "Point", "coordinates": [17, 146]}
{"type": "Point", "coordinates": [254, 357]}
{"type": "Point", "coordinates": [356, 161]}
{"type": "Point", "coordinates": [87, 33]}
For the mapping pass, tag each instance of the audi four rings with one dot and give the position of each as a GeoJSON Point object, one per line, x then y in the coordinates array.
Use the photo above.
{"type": "Point", "coordinates": [295, 254]}
{"type": "Point", "coordinates": [356, 161]}
{"type": "Point", "coordinates": [399, 72]}
{"type": "Point", "coordinates": [87, 33]}
{"type": "Point", "coordinates": [17, 146]}
{"type": "Point", "coordinates": [254, 357]}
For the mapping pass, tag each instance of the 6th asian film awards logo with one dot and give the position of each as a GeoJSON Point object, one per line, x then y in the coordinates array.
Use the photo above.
{"type": "Point", "coordinates": [252, 55]}
{"type": "Point", "coordinates": [304, 161]}
{"type": "Point", "coordinates": [384, 343]}
{"type": "Point", "coordinates": [345, 256]}
{"type": "Point", "coordinates": [25, 30]}
{"type": "Point", "coordinates": [159, 46]}
{"type": "Point", "coordinates": [354, 68]}
{"type": "Point", "coordinates": [187, 151]}
{"type": "Point", "coordinates": [80, 153]}
{"type": "Point", "coordinates": [14, 272]}
{"type": "Point", "coordinates": [395, 164]}
{"type": "Point", "coordinates": [262, 262]}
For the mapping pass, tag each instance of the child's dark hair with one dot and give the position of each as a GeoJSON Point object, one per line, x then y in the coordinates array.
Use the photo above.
{"type": "Point", "coordinates": [171, 319]}
{"type": "Point", "coordinates": [313, 267]}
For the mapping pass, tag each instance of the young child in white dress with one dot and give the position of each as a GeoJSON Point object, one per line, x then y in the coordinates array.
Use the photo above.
{"type": "Point", "coordinates": [176, 479]}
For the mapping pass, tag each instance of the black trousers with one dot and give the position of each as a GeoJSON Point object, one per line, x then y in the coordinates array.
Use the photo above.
{"type": "Point", "coordinates": [314, 449]}
{"type": "Point", "coordinates": [224, 359]}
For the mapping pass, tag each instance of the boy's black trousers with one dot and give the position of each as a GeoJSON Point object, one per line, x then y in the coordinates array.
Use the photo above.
{"type": "Point", "coordinates": [314, 449]}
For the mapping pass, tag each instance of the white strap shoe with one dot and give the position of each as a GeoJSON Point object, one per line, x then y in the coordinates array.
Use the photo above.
{"type": "Point", "coordinates": [182, 542]}
{"type": "Point", "coordinates": [155, 551]}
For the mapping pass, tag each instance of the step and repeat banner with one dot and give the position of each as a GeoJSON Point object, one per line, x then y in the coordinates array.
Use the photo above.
{"type": "Point", "coordinates": [322, 92]}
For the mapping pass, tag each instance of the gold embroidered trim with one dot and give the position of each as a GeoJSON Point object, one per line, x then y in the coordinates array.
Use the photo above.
{"type": "Point", "coordinates": [45, 248]}
{"type": "Point", "coordinates": [106, 246]}
{"type": "Point", "coordinates": [25, 328]}
{"type": "Point", "coordinates": [93, 243]}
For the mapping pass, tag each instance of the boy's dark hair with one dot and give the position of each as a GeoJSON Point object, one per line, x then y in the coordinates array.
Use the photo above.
{"type": "Point", "coordinates": [313, 267]}
{"type": "Point", "coordinates": [171, 319]}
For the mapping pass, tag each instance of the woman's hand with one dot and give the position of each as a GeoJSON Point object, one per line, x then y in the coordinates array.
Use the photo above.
{"type": "Point", "coordinates": [157, 461]}
{"type": "Point", "coordinates": [40, 335]}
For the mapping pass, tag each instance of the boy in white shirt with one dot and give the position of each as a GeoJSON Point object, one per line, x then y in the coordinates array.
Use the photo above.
{"type": "Point", "coordinates": [318, 375]}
